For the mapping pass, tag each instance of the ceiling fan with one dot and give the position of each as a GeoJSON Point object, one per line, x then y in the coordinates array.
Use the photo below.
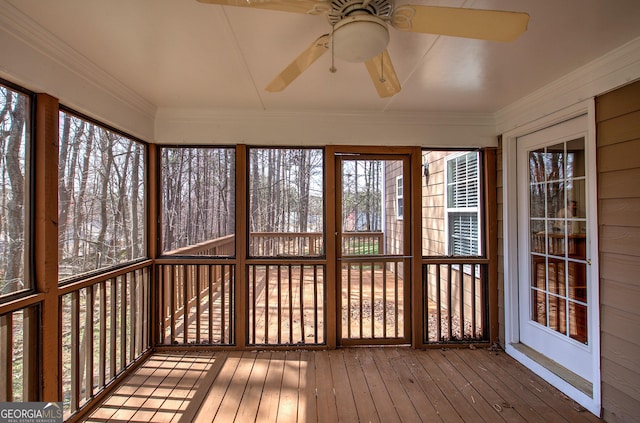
{"type": "Point", "coordinates": [360, 32]}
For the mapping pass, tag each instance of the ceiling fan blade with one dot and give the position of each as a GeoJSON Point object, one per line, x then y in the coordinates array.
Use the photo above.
{"type": "Point", "coordinates": [383, 75]}
{"type": "Point", "coordinates": [299, 65]}
{"type": "Point", "coordinates": [313, 7]}
{"type": "Point", "coordinates": [493, 25]}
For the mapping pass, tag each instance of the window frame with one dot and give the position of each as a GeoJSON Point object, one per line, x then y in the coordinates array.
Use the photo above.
{"type": "Point", "coordinates": [162, 207]}
{"type": "Point", "coordinates": [145, 203]}
{"type": "Point", "coordinates": [28, 197]}
{"type": "Point", "coordinates": [450, 211]}
{"type": "Point", "coordinates": [320, 255]}
{"type": "Point", "coordinates": [399, 197]}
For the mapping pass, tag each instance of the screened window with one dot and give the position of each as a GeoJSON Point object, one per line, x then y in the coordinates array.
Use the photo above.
{"type": "Point", "coordinates": [286, 202]}
{"type": "Point", "coordinates": [399, 197]}
{"type": "Point", "coordinates": [14, 141]}
{"type": "Point", "coordinates": [101, 197]}
{"type": "Point", "coordinates": [198, 201]}
{"type": "Point", "coordinates": [462, 204]}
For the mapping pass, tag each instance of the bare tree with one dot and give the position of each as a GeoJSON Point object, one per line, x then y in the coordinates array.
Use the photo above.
{"type": "Point", "coordinates": [13, 118]}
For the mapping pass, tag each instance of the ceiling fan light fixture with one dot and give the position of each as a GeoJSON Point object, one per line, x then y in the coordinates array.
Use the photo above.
{"type": "Point", "coordinates": [360, 38]}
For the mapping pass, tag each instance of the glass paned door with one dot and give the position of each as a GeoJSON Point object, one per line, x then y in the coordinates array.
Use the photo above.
{"type": "Point", "coordinates": [558, 234]}
{"type": "Point", "coordinates": [555, 281]}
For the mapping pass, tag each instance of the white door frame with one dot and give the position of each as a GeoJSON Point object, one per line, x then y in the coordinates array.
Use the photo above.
{"type": "Point", "coordinates": [510, 251]}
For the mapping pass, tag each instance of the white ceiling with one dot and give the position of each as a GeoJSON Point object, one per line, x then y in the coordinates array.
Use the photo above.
{"type": "Point", "coordinates": [184, 54]}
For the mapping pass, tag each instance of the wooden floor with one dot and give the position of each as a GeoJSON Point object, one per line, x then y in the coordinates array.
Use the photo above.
{"type": "Point", "coordinates": [348, 385]}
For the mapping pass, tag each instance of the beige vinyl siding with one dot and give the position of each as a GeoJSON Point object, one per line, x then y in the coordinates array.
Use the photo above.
{"type": "Point", "coordinates": [433, 207]}
{"type": "Point", "coordinates": [618, 157]}
{"type": "Point", "coordinates": [394, 226]}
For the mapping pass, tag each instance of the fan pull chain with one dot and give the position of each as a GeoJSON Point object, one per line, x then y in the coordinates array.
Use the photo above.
{"type": "Point", "coordinates": [382, 68]}
{"type": "Point", "coordinates": [332, 69]}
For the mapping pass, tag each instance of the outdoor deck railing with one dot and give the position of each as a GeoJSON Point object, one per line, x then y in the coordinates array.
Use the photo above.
{"type": "Point", "coordinates": [455, 307]}
{"type": "Point", "coordinates": [105, 328]}
{"type": "Point", "coordinates": [106, 320]}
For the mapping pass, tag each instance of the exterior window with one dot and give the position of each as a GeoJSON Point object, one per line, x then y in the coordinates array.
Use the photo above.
{"type": "Point", "coordinates": [101, 191]}
{"type": "Point", "coordinates": [198, 201]}
{"type": "Point", "coordinates": [14, 141]}
{"type": "Point", "coordinates": [286, 202]}
{"type": "Point", "coordinates": [399, 197]}
{"type": "Point", "coordinates": [462, 211]}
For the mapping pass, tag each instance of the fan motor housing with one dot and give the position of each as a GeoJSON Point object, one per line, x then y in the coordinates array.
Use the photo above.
{"type": "Point", "coordinates": [340, 9]}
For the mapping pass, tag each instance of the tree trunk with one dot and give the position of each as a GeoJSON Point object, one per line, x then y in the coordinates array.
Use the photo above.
{"type": "Point", "coordinates": [15, 206]}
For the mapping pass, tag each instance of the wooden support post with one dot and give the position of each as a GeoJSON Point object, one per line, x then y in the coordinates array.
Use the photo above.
{"type": "Point", "coordinates": [332, 271]}
{"type": "Point", "coordinates": [154, 222]}
{"type": "Point", "coordinates": [242, 238]}
{"type": "Point", "coordinates": [491, 222]}
{"type": "Point", "coordinates": [46, 242]}
{"type": "Point", "coordinates": [415, 206]}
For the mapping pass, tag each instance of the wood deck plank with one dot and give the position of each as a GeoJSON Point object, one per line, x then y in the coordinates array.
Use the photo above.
{"type": "Point", "coordinates": [214, 397]}
{"type": "Point", "coordinates": [524, 389]}
{"type": "Point", "coordinates": [537, 392]}
{"type": "Point", "coordinates": [160, 394]}
{"type": "Point", "coordinates": [487, 411]}
{"type": "Point", "coordinates": [465, 410]}
{"type": "Point", "coordinates": [361, 394]}
{"type": "Point", "coordinates": [289, 390]}
{"type": "Point", "coordinates": [326, 410]}
{"type": "Point", "coordinates": [512, 407]}
{"type": "Point", "coordinates": [342, 389]}
{"type": "Point", "coordinates": [403, 405]}
{"type": "Point", "coordinates": [385, 384]}
{"type": "Point", "coordinates": [307, 390]}
{"type": "Point", "coordinates": [382, 400]}
{"type": "Point", "coordinates": [255, 388]}
{"type": "Point", "coordinates": [410, 375]}
{"type": "Point", "coordinates": [231, 400]}
{"type": "Point", "coordinates": [268, 410]}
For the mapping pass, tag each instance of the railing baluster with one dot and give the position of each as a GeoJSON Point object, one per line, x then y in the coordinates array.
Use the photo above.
{"type": "Point", "coordinates": [461, 299]}
{"type": "Point", "coordinates": [279, 317]}
{"type": "Point", "coordinates": [88, 344]}
{"type": "Point", "coordinates": [134, 317]}
{"type": "Point", "coordinates": [449, 302]}
{"type": "Point", "coordinates": [373, 300]}
{"type": "Point", "coordinates": [223, 290]}
{"type": "Point", "coordinates": [210, 281]}
{"type": "Point", "coordinates": [315, 304]}
{"type": "Point", "coordinates": [112, 328]}
{"type": "Point", "coordinates": [172, 284]}
{"type": "Point", "coordinates": [123, 321]}
{"type": "Point", "coordinates": [198, 285]}
{"type": "Point", "coordinates": [254, 304]}
{"type": "Point", "coordinates": [6, 358]}
{"type": "Point", "coordinates": [302, 319]}
{"type": "Point", "coordinates": [102, 343]}
{"type": "Point", "coordinates": [267, 290]}
{"type": "Point", "coordinates": [349, 335]}
{"type": "Point", "coordinates": [438, 304]}
{"type": "Point", "coordinates": [396, 297]}
{"type": "Point", "coordinates": [75, 351]}
{"type": "Point", "coordinates": [473, 301]}
{"type": "Point", "coordinates": [384, 302]}
{"type": "Point", "coordinates": [361, 270]}
{"type": "Point", "coordinates": [290, 280]}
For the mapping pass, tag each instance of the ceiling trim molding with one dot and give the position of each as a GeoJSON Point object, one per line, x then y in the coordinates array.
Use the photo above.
{"type": "Point", "coordinates": [189, 126]}
{"type": "Point", "coordinates": [410, 118]}
{"type": "Point", "coordinates": [25, 29]}
{"type": "Point", "coordinates": [614, 69]}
